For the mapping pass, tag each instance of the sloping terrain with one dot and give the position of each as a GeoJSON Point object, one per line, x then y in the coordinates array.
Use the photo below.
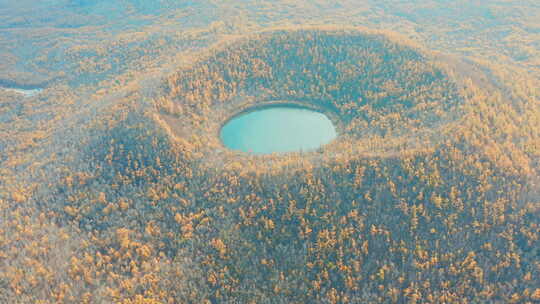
{"type": "Point", "coordinates": [114, 186]}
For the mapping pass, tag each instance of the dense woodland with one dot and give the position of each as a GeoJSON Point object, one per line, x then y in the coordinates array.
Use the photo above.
{"type": "Point", "coordinates": [371, 86]}
{"type": "Point", "coordinates": [429, 195]}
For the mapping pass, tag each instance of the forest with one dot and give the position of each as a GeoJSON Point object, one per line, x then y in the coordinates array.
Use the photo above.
{"type": "Point", "coordinates": [116, 188]}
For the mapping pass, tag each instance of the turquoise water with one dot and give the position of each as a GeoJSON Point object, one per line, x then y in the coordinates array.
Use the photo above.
{"type": "Point", "coordinates": [278, 129]}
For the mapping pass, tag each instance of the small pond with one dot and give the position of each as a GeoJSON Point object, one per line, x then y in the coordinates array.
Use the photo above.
{"type": "Point", "coordinates": [278, 129]}
{"type": "Point", "coordinates": [24, 92]}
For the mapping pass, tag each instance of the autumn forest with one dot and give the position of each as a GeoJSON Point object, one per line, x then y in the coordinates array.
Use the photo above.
{"type": "Point", "coordinates": [116, 188]}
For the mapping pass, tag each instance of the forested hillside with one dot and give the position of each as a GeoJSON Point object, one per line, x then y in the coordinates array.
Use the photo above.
{"type": "Point", "coordinates": [115, 186]}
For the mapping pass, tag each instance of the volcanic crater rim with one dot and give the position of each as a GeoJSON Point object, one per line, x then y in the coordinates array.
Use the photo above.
{"type": "Point", "coordinates": [322, 70]}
